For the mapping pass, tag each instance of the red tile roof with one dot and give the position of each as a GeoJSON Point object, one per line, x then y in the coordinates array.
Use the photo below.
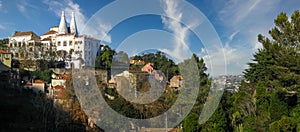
{"type": "Point", "coordinates": [39, 81]}
{"type": "Point", "coordinates": [65, 76]}
{"type": "Point", "coordinates": [179, 77]}
{"type": "Point", "coordinates": [68, 34]}
{"type": "Point", "coordinates": [50, 32]}
{"type": "Point", "coordinates": [35, 39]}
{"type": "Point", "coordinates": [28, 84]}
{"type": "Point", "coordinates": [46, 39]}
{"type": "Point", "coordinates": [4, 52]}
{"type": "Point", "coordinates": [27, 33]}
{"type": "Point", "coordinates": [58, 87]}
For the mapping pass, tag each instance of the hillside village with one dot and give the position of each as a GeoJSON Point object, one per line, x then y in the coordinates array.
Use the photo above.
{"type": "Point", "coordinates": [55, 78]}
{"type": "Point", "coordinates": [43, 64]}
{"type": "Point", "coordinates": [36, 76]}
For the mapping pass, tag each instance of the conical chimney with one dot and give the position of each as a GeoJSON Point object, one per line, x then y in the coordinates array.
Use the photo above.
{"type": "Point", "coordinates": [73, 27]}
{"type": "Point", "coordinates": [62, 29]}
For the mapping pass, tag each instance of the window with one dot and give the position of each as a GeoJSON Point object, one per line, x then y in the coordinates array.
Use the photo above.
{"type": "Point", "coordinates": [65, 43]}
{"type": "Point", "coordinates": [19, 44]}
{"type": "Point", "coordinates": [6, 56]}
{"type": "Point", "coordinates": [30, 44]}
{"type": "Point", "coordinates": [22, 55]}
{"type": "Point", "coordinates": [70, 43]}
{"type": "Point", "coordinates": [58, 43]}
{"type": "Point", "coordinates": [76, 42]}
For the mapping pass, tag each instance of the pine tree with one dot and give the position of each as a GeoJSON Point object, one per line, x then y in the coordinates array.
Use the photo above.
{"type": "Point", "coordinates": [275, 75]}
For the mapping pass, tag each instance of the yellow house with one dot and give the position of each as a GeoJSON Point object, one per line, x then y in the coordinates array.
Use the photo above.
{"type": "Point", "coordinates": [5, 57]}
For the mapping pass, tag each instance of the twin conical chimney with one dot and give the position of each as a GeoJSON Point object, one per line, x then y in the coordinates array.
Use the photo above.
{"type": "Point", "coordinates": [73, 27]}
{"type": "Point", "coordinates": [63, 29]}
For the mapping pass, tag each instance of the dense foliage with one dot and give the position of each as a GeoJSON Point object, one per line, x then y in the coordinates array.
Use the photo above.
{"type": "Point", "coordinates": [160, 62]}
{"type": "Point", "coordinates": [25, 110]}
{"type": "Point", "coordinates": [269, 99]}
{"type": "Point", "coordinates": [105, 59]}
{"type": "Point", "coordinates": [3, 43]}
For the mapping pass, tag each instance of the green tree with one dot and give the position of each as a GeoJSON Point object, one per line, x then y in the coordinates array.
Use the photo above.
{"type": "Point", "coordinates": [285, 124]}
{"type": "Point", "coordinates": [277, 63]}
{"type": "Point", "coordinates": [194, 70]}
{"type": "Point", "coordinates": [220, 120]}
{"type": "Point", "coordinates": [275, 75]}
{"type": "Point", "coordinates": [3, 43]}
{"type": "Point", "coordinates": [161, 62]}
{"type": "Point", "coordinates": [277, 108]}
{"type": "Point", "coordinates": [191, 123]}
{"type": "Point", "coordinates": [104, 61]}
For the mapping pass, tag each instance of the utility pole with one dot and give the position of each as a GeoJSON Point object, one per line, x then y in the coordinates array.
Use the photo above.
{"type": "Point", "coordinates": [166, 122]}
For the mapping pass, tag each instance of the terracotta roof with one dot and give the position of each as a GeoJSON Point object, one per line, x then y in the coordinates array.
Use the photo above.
{"type": "Point", "coordinates": [68, 34]}
{"type": "Point", "coordinates": [179, 77]}
{"type": "Point", "coordinates": [50, 32]}
{"type": "Point", "coordinates": [28, 84]}
{"type": "Point", "coordinates": [137, 62]}
{"type": "Point", "coordinates": [58, 87]}
{"type": "Point", "coordinates": [28, 33]}
{"type": "Point", "coordinates": [35, 39]}
{"type": "Point", "coordinates": [4, 52]}
{"type": "Point", "coordinates": [39, 81]}
{"type": "Point", "coordinates": [47, 39]}
{"type": "Point", "coordinates": [65, 76]}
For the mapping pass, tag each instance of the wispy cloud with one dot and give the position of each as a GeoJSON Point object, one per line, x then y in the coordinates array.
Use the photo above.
{"type": "Point", "coordinates": [250, 18]}
{"type": "Point", "coordinates": [172, 23]}
{"type": "Point", "coordinates": [242, 22]}
{"type": "Point", "coordinates": [236, 11]}
{"type": "Point", "coordinates": [0, 4]}
{"type": "Point", "coordinates": [99, 30]}
{"type": "Point", "coordinates": [21, 8]}
{"type": "Point", "coordinates": [231, 37]}
{"type": "Point", "coordinates": [2, 27]}
{"type": "Point", "coordinates": [234, 58]}
{"type": "Point", "coordinates": [69, 6]}
{"type": "Point", "coordinates": [27, 9]}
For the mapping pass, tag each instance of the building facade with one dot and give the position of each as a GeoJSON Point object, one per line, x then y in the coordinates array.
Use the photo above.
{"type": "Point", "coordinates": [5, 58]}
{"type": "Point", "coordinates": [61, 43]}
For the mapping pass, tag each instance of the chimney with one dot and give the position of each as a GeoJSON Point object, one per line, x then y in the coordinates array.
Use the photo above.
{"type": "Point", "coordinates": [73, 27]}
{"type": "Point", "coordinates": [62, 29]}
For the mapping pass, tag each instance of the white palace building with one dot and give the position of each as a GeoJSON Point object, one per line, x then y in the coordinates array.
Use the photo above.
{"type": "Point", "coordinates": [74, 49]}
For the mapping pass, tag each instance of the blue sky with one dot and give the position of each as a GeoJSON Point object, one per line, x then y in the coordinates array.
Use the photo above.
{"type": "Point", "coordinates": [237, 23]}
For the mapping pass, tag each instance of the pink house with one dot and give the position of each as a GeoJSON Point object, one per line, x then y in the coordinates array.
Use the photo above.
{"type": "Point", "coordinates": [148, 68]}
